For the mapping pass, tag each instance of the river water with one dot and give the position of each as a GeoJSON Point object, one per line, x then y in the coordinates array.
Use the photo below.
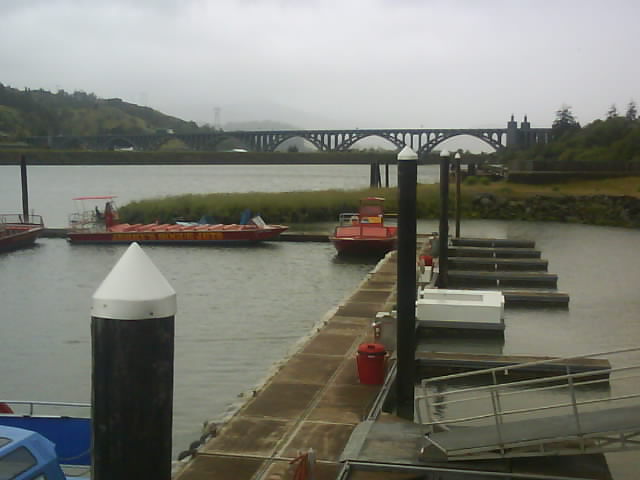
{"type": "Point", "coordinates": [51, 188]}
{"type": "Point", "coordinates": [242, 309]}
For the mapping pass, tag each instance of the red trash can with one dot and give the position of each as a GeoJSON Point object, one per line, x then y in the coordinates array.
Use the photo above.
{"type": "Point", "coordinates": [371, 362]}
{"type": "Point", "coordinates": [427, 259]}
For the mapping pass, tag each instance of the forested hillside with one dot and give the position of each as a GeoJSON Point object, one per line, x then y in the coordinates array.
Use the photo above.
{"type": "Point", "coordinates": [25, 113]}
{"type": "Point", "coordinates": [614, 141]}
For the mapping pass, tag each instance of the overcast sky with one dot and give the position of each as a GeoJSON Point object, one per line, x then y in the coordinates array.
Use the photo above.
{"type": "Point", "coordinates": [333, 63]}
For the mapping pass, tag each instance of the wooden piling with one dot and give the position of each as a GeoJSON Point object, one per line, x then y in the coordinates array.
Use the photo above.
{"type": "Point", "coordinates": [406, 282]}
{"type": "Point", "coordinates": [443, 258]}
{"type": "Point", "coordinates": [458, 195]}
{"type": "Point", "coordinates": [25, 189]}
{"type": "Point", "coordinates": [132, 338]}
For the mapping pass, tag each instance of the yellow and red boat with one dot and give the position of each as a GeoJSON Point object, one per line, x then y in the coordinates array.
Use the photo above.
{"type": "Point", "coordinates": [365, 232]}
{"type": "Point", "coordinates": [95, 226]}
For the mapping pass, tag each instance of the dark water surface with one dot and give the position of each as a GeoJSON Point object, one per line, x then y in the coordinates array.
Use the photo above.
{"type": "Point", "coordinates": [240, 310]}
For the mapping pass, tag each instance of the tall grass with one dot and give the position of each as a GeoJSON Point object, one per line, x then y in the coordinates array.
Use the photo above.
{"type": "Point", "coordinates": [322, 206]}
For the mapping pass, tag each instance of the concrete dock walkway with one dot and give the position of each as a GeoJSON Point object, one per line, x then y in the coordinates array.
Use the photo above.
{"type": "Point", "coordinates": [314, 400]}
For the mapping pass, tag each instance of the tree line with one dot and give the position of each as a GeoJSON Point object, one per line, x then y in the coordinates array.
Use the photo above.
{"type": "Point", "coordinates": [614, 140]}
{"type": "Point", "coordinates": [27, 112]}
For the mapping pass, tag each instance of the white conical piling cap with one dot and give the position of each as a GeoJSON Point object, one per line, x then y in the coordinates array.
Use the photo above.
{"type": "Point", "coordinates": [134, 289]}
{"type": "Point", "coordinates": [407, 154]}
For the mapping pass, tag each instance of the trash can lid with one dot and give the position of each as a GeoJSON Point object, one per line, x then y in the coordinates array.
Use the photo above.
{"type": "Point", "coordinates": [372, 349]}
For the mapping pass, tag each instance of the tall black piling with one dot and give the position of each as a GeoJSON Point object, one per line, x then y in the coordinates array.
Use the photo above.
{"type": "Point", "coordinates": [375, 181]}
{"type": "Point", "coordinates": [443, 259]}
{"type": "Point", "coordinates": [25, 189]}
{"type": "Point", "coordinates": [458, 195]}
{"type": "Point", "coordinates": [132, 338]}
{"type": "Point", "coordinates": [406, 282]}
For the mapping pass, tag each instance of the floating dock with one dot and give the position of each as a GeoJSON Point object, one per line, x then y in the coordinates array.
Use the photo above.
{"type": "Point", "coordinates": [493, 252]}
{"type": "Point", "coordinates": [435, 364]}
{"type": "Point", "coordinates": [491, 263]}
{"type": "Point", "coordinates": [514, 267]}
{"type": "Point", "coordinates": [314, 400]}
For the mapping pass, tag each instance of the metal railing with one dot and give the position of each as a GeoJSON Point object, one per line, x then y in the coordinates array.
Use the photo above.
{"type": "Point", "coordinates": [493, 397]}
{"type": "Point", "coordinates": [29, 407]}
{"type": "Point", "coordinates": [19, 219]}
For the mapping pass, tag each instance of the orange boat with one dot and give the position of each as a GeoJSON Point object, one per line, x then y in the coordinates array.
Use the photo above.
{"type": "Point", "coordinates": [18, 231]}
{"type": "Point", "coordinates": [94, 226]}
{"type": "Point", "coordinates": [364, 232]}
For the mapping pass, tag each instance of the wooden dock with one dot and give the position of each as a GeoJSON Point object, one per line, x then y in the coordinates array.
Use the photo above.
{"type": "Point", "coordinates": [515, 267]}
{"type": "Point", "coordinates": [492, 242]}
{"type": "Point", "coordinates": [467, 278]}
{"type": "Point", "coordinates": [498, 264]}
{"type": "Point", "coordinates": [313, 400]}
{"type": "Point", "coordinates": [493, 252]}
{"type": "Point", "coordinates": [435, 364]}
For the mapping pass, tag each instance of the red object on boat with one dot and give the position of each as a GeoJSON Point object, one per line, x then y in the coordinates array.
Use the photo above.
{"type": "Point", "coordinates": [4, 408]}
{"type": "Point", "coordinates": [364, 233]}
{"type": "Point", "coordinates": [19, 232]}
{"type": "Point", "coordinates": [94, 226]}
{"type": "Point", "coordinates": [371, 362]}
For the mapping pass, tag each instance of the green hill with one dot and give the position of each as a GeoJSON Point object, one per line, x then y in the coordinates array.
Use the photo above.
{"type": "Point", "coordinates": [612, 144]}
{"type": "Point", "coordinates": [26, 113]}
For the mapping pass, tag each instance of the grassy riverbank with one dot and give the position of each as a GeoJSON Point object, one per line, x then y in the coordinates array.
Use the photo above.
{"type": "Point", "coordinates": [603, 202]}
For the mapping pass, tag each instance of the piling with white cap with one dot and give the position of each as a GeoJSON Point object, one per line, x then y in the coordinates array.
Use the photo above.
{"type": "Point", "coordinates": [443, 260]}
{"type": "Point", "coordinates": [406, 282]}
{"type": "Point", "coordinates": [132, 339]}
{"type": "Point", "coordinates": [458, 194]}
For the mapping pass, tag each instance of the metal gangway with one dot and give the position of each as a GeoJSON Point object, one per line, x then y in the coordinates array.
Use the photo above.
{"type": "Point", "coordinates": [495, 413]}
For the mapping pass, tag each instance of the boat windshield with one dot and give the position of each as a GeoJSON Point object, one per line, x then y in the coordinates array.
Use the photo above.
{"type": "Point", "coordinates": [14, 463]}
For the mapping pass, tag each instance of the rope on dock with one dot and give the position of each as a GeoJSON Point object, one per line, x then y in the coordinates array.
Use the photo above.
{"type": "Point", "coordinates": [210, 430]}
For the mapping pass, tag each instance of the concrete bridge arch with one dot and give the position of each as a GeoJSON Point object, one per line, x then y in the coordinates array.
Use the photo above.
{"type": "Point", "coordinates": [495, 139]}
{"type": "Point", "coordinates": [421, 140]}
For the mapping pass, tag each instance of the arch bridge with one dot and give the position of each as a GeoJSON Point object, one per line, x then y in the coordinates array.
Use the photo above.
{"type": "Point", "coordinates": [422, 140]}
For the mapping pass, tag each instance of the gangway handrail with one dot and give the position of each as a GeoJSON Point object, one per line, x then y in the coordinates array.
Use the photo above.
{"type": "Point", "coordinates": [520, 383]}
{"type": "Point", "coordinates": [496, 389]}
{"type": "Point", "coordinates": [532, 409]}
{"type": "Point", "coordinates": [529, 364]}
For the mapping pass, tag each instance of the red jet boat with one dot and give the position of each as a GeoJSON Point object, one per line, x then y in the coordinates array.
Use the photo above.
{"type": "Point", "coordinates": [364, 232]}
{"type": "Point", "coordinates": [18, 231]}
{"type": "Point", "coordinates": [95, 226]}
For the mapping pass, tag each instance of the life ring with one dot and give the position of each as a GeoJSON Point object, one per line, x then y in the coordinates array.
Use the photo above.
{"type": "Point", "coordinates": [4, 408]}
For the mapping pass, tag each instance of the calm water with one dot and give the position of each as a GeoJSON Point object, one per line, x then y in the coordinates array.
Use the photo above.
{"type": "Point", "coordinates": [240, 310]}
{"type": "Point", "coordinates": [51, 188]}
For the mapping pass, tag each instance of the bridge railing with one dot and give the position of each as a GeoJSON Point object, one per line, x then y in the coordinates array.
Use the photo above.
{"type": "Point", "coordinates": [496, 396]}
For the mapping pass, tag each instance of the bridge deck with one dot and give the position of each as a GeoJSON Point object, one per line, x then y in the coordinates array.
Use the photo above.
{"type": "Point", "coordinates": [459, 442]}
